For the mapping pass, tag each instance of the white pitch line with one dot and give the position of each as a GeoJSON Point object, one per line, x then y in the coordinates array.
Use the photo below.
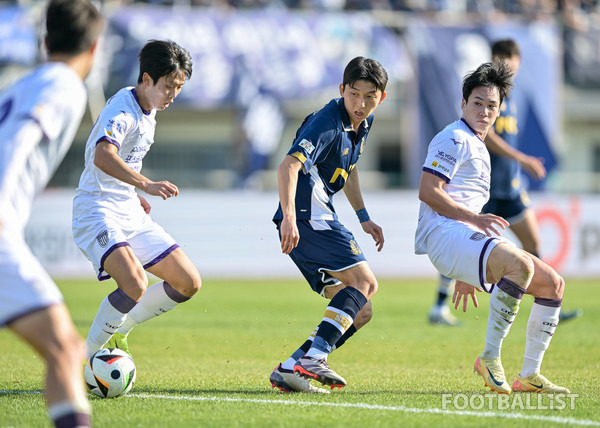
{"type": "Point", "coordinates": [556, 419]}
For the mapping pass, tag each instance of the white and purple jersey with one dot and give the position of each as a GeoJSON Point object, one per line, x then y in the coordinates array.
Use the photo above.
{"type": "Point", "coordinates": [329, 149]}
{"type": "Point", "coordinates": [458, 156]}
{"type": "Point", "coordinates": [39, 116]}
{"type": "Point", "coordinates": [130, 128]}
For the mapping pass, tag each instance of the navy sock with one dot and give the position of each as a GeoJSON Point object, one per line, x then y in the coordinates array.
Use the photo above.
{"type": "Point", "coordinates": [338, 318]}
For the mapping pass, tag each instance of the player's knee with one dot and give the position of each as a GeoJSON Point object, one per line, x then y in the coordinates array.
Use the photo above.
{"type": "Point", "coordinates": [64, 349]}
{"type": "Point", "coordinates": [521, 269]}
{"type": "Point", "coordinates": [134, 286]}
{"type": "Point", "coordinates": [557, 287]}
{"type": "Point", "coordinates": [189, 284]}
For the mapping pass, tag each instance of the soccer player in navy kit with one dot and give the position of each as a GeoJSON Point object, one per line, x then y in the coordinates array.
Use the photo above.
{"type": "Point", "coordinates": [321, 162]}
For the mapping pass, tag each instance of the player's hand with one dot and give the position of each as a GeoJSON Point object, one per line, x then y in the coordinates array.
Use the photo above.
{"type": "Point", "coordinates": [375, 231]}
{"type": "Point", "coordinates": [289, 235]}
{"type": "Point", "coordinates": [164, 189]}
{"type": "Point", "coordinates": [490, 223]}
{"type": "Point", "coordinates": [534, 167]}
{"type": "Point", "coordinates": [144, 203]}
{"type": "Point", "coordinates": [461, 292]}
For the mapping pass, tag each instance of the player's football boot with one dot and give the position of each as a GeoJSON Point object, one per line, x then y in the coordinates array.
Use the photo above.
{"type": "Point", "coordinates": [565, 315]}
{"type": "Point", "coordinates": [288, 381]}
{"type": "Point", "coordinates": [441, 315]}
{"type": "Point", "coordinates": [119, 341]}
{"type": "Point", "coordinates": [537, 383]}
{"type": "Point", "coordinates": [493, 374]}
{"type": "Point", "coordinates": [311, 368]}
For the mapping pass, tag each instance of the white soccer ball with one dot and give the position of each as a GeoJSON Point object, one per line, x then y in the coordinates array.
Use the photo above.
{"type": "Point", "coordinates": [110, 373]}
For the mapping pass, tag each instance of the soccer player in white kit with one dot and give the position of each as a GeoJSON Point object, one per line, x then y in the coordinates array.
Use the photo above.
{"type": "Point", "coordinates": [454, 186]}
{"type": "Point", "coordinates": [39, 116]}
{"type": "Point", "coordinates": [111, 222]}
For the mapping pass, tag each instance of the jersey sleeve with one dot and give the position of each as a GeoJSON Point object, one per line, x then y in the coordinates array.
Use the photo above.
{"type": "Point", "coordinates": [314, 141]}
{"type": "Point", "coordinates": [113, 126]}
{"type": "Point", "coordinates": [54, 115]}
{"type": "Point", "coordinates": [445, 156]}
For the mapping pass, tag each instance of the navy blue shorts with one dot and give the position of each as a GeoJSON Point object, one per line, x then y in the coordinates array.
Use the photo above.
{"type": "Point", "coordinates": [510, 209]}
{"type": "Point", "coordinates": [324, 246]}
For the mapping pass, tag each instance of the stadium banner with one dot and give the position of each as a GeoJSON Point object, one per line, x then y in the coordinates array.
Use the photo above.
{"type": "Point", "coordinates": [230, 234]}
{"type": "Point", "coordinates": [287, 55]}
{"type": "Point", "coordinates": [445, 54]}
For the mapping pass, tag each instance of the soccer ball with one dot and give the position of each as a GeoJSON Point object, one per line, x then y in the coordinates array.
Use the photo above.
{"type": "Point", "coordinates": [110, 372]}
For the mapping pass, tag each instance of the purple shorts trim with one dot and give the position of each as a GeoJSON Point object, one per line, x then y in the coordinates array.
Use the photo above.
{"type": "Point", "coordinates": [162, 256]}
{"type": "Point", "coordinates": [102, 276]}
{"type": "Point", "coordinates": [436, 173]}
{"type": "Point", "coordinates": [482, 268]}
{"type": "Point", "coordinates": [552, 303]}
{"type": "Point", "coordinates": [27, 312]}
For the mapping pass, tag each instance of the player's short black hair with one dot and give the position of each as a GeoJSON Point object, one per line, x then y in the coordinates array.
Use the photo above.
{"type": "Point", "coordinates": [505, 48]}
{"type": "Point", "coordinates": [489, 75]}
{"type": "Point", "coordinates": [72, 26]}
{"type": "Point", "coordinates": [361, 68]}
{"type": "Point", "coordinates": [161, 58]}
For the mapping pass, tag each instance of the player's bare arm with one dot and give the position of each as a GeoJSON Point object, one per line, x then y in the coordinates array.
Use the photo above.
{"type": "Point", "coordinates": [534, 166]}
{"type": "Point", "coordinates": [287, 181]}
{"type": "Point", "coordinates": [431, 192]}
{"type": "Point", "coordinates": [108, 161]}
{"type": "Point", "coordinates": [354, 195]}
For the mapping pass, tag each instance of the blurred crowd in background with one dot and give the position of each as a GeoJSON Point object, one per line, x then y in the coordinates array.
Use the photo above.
{"type": "Point", "coordinates": [260, 66]}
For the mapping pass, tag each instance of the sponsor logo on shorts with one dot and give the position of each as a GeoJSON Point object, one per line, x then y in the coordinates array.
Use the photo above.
{"type": "Point", "coordinates": [354, 247]}
{"type": "Point", "coordinates": [102, 238]}
{"type": "Point", "coordinates": [478, 236]}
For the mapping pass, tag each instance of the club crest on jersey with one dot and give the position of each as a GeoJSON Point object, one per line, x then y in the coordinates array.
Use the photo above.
{"type": "Point", "coordinates": [354, 247]}
{"type": "Point", "coordinates": [102, 238]}
{"type": "Point", "coordinates": [345, 152]}
{"type": "Point", "coordinates": [307, 145]}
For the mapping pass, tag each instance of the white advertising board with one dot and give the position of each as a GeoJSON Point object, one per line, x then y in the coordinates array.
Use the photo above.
{"type": "Point", "coordinates": [230, 234]}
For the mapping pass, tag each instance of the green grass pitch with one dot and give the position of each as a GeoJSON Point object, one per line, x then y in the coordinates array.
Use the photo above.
{"type": "Point", "coordinates": [207, 363]}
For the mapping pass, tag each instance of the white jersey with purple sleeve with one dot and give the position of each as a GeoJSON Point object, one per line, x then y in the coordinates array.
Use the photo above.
{"type": "Point", "coordinates": [130, 128]}
{"type": "Point", "coordinates": [39, 116]}
{"type": "Point", "coordinates": [458, 156]}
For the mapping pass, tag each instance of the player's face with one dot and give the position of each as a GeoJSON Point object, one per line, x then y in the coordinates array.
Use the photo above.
{"type": "Point", "coordinates": [361, 99]}
{"type": "Point", "coordinates": [481, 109]}
{"type": "Point", "coordinates": [161, 95]}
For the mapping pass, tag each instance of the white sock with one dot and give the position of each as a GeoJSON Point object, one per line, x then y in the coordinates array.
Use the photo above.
{"type": "Point", "coordinates": [157, 300]}
{"type": "Point", "coordinates": [504, 305]}
{"type": "Point", "coordinates": [542, 323]}
{"type": "Point", "coordinates": [111, 314]}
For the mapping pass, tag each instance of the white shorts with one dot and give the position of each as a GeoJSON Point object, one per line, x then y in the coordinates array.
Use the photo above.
{"type": "Point", "coordinates": [99, 230]}
{"type": "Point", "coordinates": [25, 286]}
{"type": "Point", "coordinates": [461, 252]}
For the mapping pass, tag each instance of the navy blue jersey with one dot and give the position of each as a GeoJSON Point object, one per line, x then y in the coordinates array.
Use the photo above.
{"type": "Point", "coordinates": [329, 149]}
{"type": "Point", "coordinates": [505, 178]}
